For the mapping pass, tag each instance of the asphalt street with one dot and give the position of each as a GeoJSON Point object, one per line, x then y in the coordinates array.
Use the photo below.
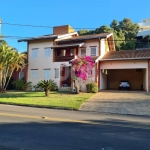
{"type": "Point", "coordinates": [26, 128]}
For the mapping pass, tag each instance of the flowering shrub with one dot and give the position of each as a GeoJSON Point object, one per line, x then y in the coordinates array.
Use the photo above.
{"type": "Point", "coordinates": [82, 67]}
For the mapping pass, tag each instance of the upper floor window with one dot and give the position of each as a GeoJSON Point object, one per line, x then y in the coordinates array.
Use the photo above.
{"type": "Point", "coordinates": [46, 73]}
{"type": "Point", "coordinates": [47, 52]}
{"type": "Point", "coordinates": [93, 51]}
{"type": "Point", "coordinates": [72, 52]}
{"type": "Point", "coordinates": [34, 73]}
{"type": "Point", "coordinates": [83, 52]}
{"type": "Point", "coordinates": [63, 52]}
{"type": "Point", "coordinates": [56, 73]}
{"type": "Point", "coordinates": [35, 53]}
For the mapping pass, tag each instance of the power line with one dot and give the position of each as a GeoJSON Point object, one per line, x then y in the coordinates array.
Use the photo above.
{"type": "Point", "coordinates": [20, 37]}
{"type": "Point", "coordinates": [35, 26]}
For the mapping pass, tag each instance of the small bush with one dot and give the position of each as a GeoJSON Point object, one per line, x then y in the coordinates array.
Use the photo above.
{"type": "Point", "coordinates": [88, 87]}
{"type": "Point", "coordinates": [21, 84]}
{"type": "Point", "coordinates": [54, 87]}
{"type": "Point", "coordinates": [92, 87]}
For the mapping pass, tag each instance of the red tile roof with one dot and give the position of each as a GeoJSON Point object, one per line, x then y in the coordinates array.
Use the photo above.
{"type": "Point", "coordinates": [85, 37]}
{"type": "Point", "coordinates": [127, 54]}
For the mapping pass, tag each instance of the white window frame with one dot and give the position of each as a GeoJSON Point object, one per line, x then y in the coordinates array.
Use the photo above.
{"type": "Point", "coordinates": [35, 52]}
{"type": "Point", "coordinates": [93, 54]}
{"type": "Point", "coordinates": [83, 49]}
{"type": "Point", "coordinates": [34, 73]}
{"type": "Point", "coordinates": [57, 72]}
{"type": "Point", "coordinates": [46, 73]}
{"type": "Point", "coordinates": [47, 52]}
{"type": "Point", "coordinates": [20, 75]}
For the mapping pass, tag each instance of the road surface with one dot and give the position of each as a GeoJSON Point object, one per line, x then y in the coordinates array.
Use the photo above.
{"type": "Point", "coordinates": [26, 128]}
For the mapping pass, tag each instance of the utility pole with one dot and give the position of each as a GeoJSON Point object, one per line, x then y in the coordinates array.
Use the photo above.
{"type": "Point", "coordinates": [0, 26]}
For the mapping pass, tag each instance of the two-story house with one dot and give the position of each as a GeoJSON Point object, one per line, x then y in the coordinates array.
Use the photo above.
{"type": "Point", "coordinates": [47, 53]}
{"type": "Point", "coordinates": [49, 57]}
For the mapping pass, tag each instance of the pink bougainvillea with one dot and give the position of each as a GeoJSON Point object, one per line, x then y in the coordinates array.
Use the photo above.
{"type": "Point", "coordinates": [82, 67]}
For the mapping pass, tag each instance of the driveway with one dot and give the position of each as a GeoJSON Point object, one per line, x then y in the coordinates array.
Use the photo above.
{"type": "Point", "coordinates": [119, 102]}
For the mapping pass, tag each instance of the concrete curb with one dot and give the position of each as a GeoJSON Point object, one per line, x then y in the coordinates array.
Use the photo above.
{"type": "Point", "coordinates": [36, 106]}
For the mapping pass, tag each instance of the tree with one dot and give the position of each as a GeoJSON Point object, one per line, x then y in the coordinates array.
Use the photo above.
{"type": "Point", "coordinates": [81, 69]}
{"type": "Point", "coordinates": [129, 28]}
{"type": "Point", "coordinates": [143, 42]}
{"type": "Point", "coordinates": [124, 33]}
{"type": "Point", "coordinates": [2, 41]}
{"type": "Point", "coordinates": [47, 85]}
{"type": "Point", "coordinates": [128, 45]}
{"type": "Point", "coordinates": [10, 59]}
{"type": "Point", "coordinates": [103, 29]}
{"type": "Point", "coordinates": [114, 25]}
{"type": "Point", "coordinates": [83, 32]}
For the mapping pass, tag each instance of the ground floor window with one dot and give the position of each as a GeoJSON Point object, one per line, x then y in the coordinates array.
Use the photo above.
{"type": "Point", "coordinates": [21, 75]}
{"type": "Point", "coordinates": [34, 73]}
{"type": "Point", "coordinates": [56, 73]}
{"type": "Point", "coordinates": [46, 73]}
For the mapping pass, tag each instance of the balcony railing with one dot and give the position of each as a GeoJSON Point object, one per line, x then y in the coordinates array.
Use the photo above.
{"type": "Point", "coordinates": [63, 58]}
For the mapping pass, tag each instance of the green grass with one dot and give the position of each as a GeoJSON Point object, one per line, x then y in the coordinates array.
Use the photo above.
{"type": "Point", "coordinates": [55, 99]}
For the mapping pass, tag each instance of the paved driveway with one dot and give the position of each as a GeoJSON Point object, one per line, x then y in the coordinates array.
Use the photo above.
{"type": "Point", "coordinates": [119, 102]}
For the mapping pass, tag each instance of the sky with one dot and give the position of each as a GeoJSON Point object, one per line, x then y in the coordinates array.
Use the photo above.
{"type": "Point", "coordinates": [77, 13]}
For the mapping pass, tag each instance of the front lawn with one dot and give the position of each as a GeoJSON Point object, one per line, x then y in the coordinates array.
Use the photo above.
{"type": "Point", "coordinates": [55, 99]}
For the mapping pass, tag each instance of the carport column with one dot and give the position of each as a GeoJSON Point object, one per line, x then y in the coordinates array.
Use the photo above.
{"type": "Point", "coordinates": [97, 73]}
{"type": "Point", "coordinates": [148, 75]}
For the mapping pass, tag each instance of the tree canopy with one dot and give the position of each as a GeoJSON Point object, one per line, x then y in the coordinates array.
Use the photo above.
{"type": "Point", "coordinates": [124, 33]}
{"type": "Point", "coordinates": [10, 59]}
{"type": "Point", "coordinates": [2, 41]}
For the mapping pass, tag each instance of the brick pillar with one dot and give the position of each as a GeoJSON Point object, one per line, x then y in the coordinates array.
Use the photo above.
{"type": "Point", "coordinates": [148, 75]}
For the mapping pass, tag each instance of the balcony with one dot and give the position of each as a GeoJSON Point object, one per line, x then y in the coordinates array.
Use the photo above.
{"type": "Point", "coordinates": [63, 58]}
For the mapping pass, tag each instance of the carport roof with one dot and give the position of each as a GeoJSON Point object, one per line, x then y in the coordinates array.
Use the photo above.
{"type": "Point", "coordinates": [126, 55]}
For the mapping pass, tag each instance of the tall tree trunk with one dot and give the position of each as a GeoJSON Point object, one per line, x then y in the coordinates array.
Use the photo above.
{"type": "Point", "coordinates": [8, 80]}
{"type": "Point", "coordinates": [1, 85]}
{"type": "Point", "coordinates": [46, 92]}
{"type": "Point", "coordinates": [5, 76]}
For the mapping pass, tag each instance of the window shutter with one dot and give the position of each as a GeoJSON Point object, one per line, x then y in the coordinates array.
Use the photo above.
{"type": "Point", "coordinates": [93, 51]}
{"type": "Point", "coordinates": [34, 53]}
{"type": "Point", "coordinates": [83, 52]}
{"type": "Point", "coordinates": [21, 75]}
{"type": "Point", "coordinates": [47, 52]}
{"type": "Point", "coordinates": [47, 74]}
{"type": "Point", "coordinates": [34, 73]}
{"type": "Point", "coordinates": [56, 73]}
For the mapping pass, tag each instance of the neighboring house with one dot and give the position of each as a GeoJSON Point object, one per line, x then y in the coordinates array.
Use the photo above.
{"type": "Point", "coordinates": [143, 42]}
{"type": "Point", "coordinates": [20, 73]}
{"type": "Point", "coordinates": [144, 27]}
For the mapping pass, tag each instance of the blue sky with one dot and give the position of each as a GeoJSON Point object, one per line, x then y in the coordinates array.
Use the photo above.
{"type": "Point", "coordinates": [77, 13]}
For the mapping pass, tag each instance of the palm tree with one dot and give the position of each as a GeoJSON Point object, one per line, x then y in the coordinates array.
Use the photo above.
{"type": "Point", "coordinates": [2, 41]}
{"type": "Point", "coordinates": [4, 51]}
{"type": "Point", "coordinates": [17, 62]}
{"type": "Point", "coordinates": [10, 59]}
{"type": "Point", "coordinates": [47, 85]}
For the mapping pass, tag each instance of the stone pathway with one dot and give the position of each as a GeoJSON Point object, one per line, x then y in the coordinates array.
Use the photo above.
{"type": "Point", "coordinates": [119, 102]}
